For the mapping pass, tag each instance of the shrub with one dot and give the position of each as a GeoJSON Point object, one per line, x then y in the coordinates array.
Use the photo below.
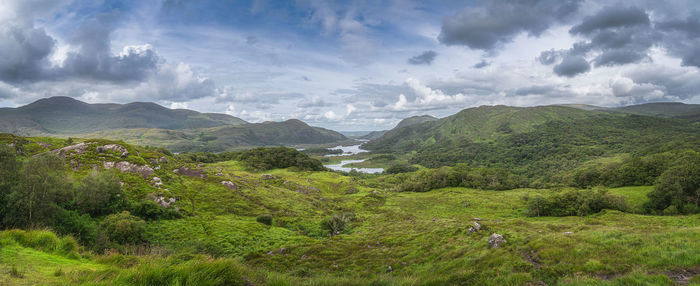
{"type": "Point", "coordinates": [264, 219]}
{"type": "Point", "coordinates": [81, 226]}
{"type": "Point", "coordinates": [400, 168]}
{"type": "Point", "coordinates": [150, 210]}
{"type": "Point", "coordinates": [574, 203]}
{"type": "Point", "coordinates": [264, 158]}
{"type": "Point", "coordinates": [123, 228]}
{"type": "Point", "coordinates": [99, 193]}
{"type": "Point", "coordinates": [677, 190]}
{"type": "Point", "coordinates": [337, 223]}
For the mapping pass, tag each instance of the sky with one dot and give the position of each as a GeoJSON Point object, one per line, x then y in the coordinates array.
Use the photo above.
{"type": "Point", "coordinates": [350, 65]}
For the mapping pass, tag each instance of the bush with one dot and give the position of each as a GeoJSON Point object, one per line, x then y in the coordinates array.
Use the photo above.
{"type": "Point", "coordinates": [264, 158]}
{"type": "Point", "coordinates": [150, 210]}
{"type": "Point", "coordinates": [337, 223]}
{"type": "Point", "coordinates": [461, 176]}
{"type": "Point", "coordinates": [81, 226]}
{"type": "Point", "coordinates": [400, 168]}
{"type": "Point", "coordinates": [123, 228]}
{"type": "Point", "coordinates": [99, 193]}
{"type": "Point", "coordinates": [574, 203]}
{"type": "Point", "coordinates": [264, 219]}
{"type": "Point", "coordinates": [678, 189]}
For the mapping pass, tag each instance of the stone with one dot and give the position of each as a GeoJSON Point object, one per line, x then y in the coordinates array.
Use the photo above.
{"type": "Point", "coordinates": [163, 160]}
{"type": "Point", "coordinates": [267, 177]}
{"type": "Point", "coordinates": [230, 185]}
{"type": "Point", "coordinates": [476, 227]}
{"type": "Point", "coordinates": [390, 269]}
{"type": "Point", "coordinates": [124, 166]}
{"type": "Point", "coordinates": [78, 148]}
{"type": "Point", "coordinates": [163, 202]}
{"type": "Point", "coordinates": [568, 233]}
{"type": "Point", "coordinates": [496, 240]}
{"type": "Point", "coordinates": [219, 174]}
{"type": "Point", "coordinates": [112, 147]}
{"type": "Point", "coordinates": [156, 181]}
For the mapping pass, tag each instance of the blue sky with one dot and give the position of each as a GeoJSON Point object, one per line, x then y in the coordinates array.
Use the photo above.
{"type": "Point", "coordinates": [350, 65]}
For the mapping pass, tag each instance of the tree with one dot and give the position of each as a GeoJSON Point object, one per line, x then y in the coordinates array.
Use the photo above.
{"type": "Point", "coordinates": [9, 175]}
{"type": "Point", "coordinates": [43, 187]}
{"type": "Point", "coordinates": [99, 193]}
{"type": "Point", "coordinates": [678, 188]}
{"type": "Point", "coordinates": [123, 228]}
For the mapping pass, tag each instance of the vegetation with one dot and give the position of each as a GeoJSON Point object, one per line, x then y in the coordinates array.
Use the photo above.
{"type": "Point", "coordinates": [575, 202]}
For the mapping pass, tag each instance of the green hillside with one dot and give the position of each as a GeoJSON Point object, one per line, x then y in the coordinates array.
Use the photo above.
{"type": "Point", "coordinates": [665, 109]}
{"type": "Point", "coordinates": [231, 224]}
{"type": "Point", "coordinates": [538, 142]}
{"type": "Point", "coordinates": [65, 115]}
{"type": "Point", "coordinates": [218, 139]}
{"type": "Point", "coordinates": [403, 123]}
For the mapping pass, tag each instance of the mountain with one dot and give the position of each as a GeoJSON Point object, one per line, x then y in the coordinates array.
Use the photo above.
{"type": "Point", "coordinates": [665, 109]}
{"type": "Point", "coordinates": [403, 123]}
{"type": "Point", "coordinates": [223, 138]}
{"type": "Point", "coordinates": [65, 115]}
{"type": "Point", "coordinates": [538, 142]}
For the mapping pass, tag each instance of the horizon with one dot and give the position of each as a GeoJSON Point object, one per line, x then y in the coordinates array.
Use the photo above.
{"type": "Point", "coordinates": [350, 66]}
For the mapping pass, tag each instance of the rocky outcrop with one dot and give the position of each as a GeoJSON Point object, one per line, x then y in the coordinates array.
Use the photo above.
{"type": "Point", "coordinates": [230, 185]}
{"type": "Point", "coordinates": [496, 240]}
{"type": "Point", "coordinates": [474, 228]}
{"type": "Point", "coordinates": [124, 166]}
{"type": "Point", "coordinates": [114, 148]}
{"type": "Point", "coordinates": [164, 202]}
{"type": "Point", "coordinates": [190, 172]}
{"type": "Point", "coordinates": [77, 148]}
{"type": "Point", "coordinates": [157, 181]}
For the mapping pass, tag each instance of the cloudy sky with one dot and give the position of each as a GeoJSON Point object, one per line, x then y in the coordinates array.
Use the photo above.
{"type": "Point", "coordinates": [350, 65]}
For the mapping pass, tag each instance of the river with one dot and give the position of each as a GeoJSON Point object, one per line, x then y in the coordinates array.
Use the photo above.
{"type": "Point", "coordinates": [347, 151]}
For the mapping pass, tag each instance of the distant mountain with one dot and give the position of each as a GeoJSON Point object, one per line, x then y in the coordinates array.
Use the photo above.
{"type": "Point", "coordinates": [65, 115]}
{"type": "Point", "coordinates": [403, 123]}
{"type": "Point", "coordinates": [665, 109]}
{"type": "Point", "coordinates": [222, 138]}
{"type": "Point", "coordinates": [535, 141]}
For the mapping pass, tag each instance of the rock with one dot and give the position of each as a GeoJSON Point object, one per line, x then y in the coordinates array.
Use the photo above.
{"type": "Point", "coordinates": [163, 160]}
{"type": "Point", "coordinates": [190, 172]}
{"type": "Point", "coordinates": [230, 185]}
{"type": "Point", "coordinates": [568, 233]}
{"type": "Point", "coordinates": [78, 148]}
{"type": "Point", "coordinates": [163, 202]}
{"type": "Point", "coordinates": [45, 145]}
{"type": "Point", "coordinates": [201, 165]}
{"type": "Point", "coordinates": [112, 147]}
{"type": "Point", "coordinates": [390, 269]}
{"type": "Point", "coordinates": [153, 161]}
{"type": "Point", "coordinates": [476, 227]}
{"type": "Point", "coordinates": [219, 174]}
{"type": "Point", "coordinates": [124, 166]}
{"type": "Point", "coordinates": [304, 257]}
{"type": "Point", "coordinates": [268, 177]}
{"type": "Point", "coordinates": [374, 192]}
{"type": "Point", "coordinates": [495, 240]}
{"type": "Point", "coordinates": [476, 219]}
{"type": "Point", "coordinates": [156, 181]}
{"type": "Point", "coordinates": [126, 153]}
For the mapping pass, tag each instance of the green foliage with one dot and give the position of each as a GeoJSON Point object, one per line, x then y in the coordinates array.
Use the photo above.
{"type": "Point", "coordinates": [400, 168]}
{"type": "Point", "coordinates": [150, 210]}
{"type": "Point", "coordinates": [123, 228]}
{"type": "Point", "coordinates": [678, 189]}
{"type": "Point", "coordinates": [263, 158]}
{"type": "Point", "coordinates": [264, 219]}
{"type": "Point", "coordinates": [99, 193]}
{"type": "Point", "coordinates": [9, 175]}
{"type": "Point", "coordinates": [574, 203]}
{"type": "Point", "coordinates": [322, 151]}
{"type": "Point", "coordinates": [82, 227]}
{"type": "Point", "coordinates": [337, 223]}
{"type": "Point", "coordinates": [460, 176]}
{"type": "Point", "coordinates": [42, 190]}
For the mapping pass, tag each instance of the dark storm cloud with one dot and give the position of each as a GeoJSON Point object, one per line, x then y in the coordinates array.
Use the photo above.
{"type": "Point", "coordinates": [680, 83]}
{"type": "Point", "coordinates": [31, 47]}
{"type": "Point", "coordinates": [94, 59]}
{"type": "Point", "coordinates": [25, 52]}
{"type": "Point", "coordinates": [425, 58]}
{"type": "Point", "coordinates": [683, 39]}
{"type": "Point", "coordinates": [549, 57]}
{"type": "Point", "coordinates": [612, 17]}
{"type": "Point", "coordinates": [571, 66]}
{"type": "Point", "coordinates": [535, 89]}
{"type": "Point", "coordinates": [498, 22]}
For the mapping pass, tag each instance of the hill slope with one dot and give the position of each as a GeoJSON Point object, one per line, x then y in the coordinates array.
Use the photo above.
{"type": "Point", "coordinates": [222, 138]}
{"type": "Point", "coordinates": [65, 115]}
{"type": "Point", "coordinates": [665, 109]}
{"type": "Point", "coordinates": [403, 123]}
{"type": "Point", "coordinates": [538, 142]}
